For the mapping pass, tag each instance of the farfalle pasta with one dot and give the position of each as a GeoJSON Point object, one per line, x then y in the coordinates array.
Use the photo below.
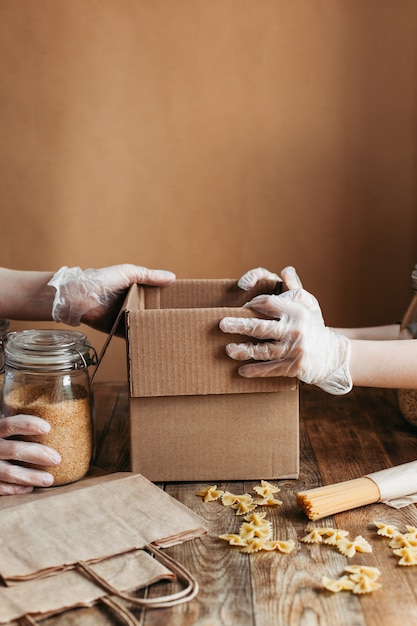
{"type": "Point", "coordinates": [266, 492]}
{"type": "Point", "coordinates": [266, 489]}
{"type": "Point", "coordinates": [359, 579]}
{"type": "Point", "coordinates": [408, 555]}
{"type": "Point", "coordinates": [255, 533]}
{"type": "Point", "coordinates": [344, 583]}
{"type": "Point", "coordinates": [339, 539]}
{"type": "Point", "coordinates": [211, 493]}
{"type": "Point", "coordinates": [403, 545]}
{"type": "Point", "coordinates": [349, 548]}
{"type": "Point", "coordinates": [315, 535]}
{"type": "Point", "coordinates": [243, 503]}
{"type": "Point", "coordinates": [280, 546]}
{"type": "Point", "coordinates": [366, 570]}
{"type": "Point", "coordinates": [258, 519]}
{"type": "Point", "coordinates": [248, 530]}
{"type": "Point", "coordinates": [233, 539]}
{"type": "Point", "coordinates": [334, 535]}
{"type": "Point", "coordinates": [386, 530]}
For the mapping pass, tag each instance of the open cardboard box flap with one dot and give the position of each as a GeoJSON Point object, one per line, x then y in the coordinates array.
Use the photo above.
{"type": "Point", "coordinates": [175, 345]}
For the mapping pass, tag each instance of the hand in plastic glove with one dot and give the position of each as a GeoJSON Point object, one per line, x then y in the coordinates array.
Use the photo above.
{"type": "Point", "coordinates": [252, 277]}
{"type": "Point", "coordinates": [14, 478]}
{"type": "Point", "coordinates": [94, 296]}
{"type": "Point", "coordinates": [294, 343]}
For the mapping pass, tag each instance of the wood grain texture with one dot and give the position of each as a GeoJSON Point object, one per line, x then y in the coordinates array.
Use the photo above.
{"type": "Point", "coordinates": [340, 439]}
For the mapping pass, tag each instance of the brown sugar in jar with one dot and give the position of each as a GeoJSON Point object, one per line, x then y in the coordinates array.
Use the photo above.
{"type": "Point", "coordinates": [71, 431]}
{"type": "Point", "coordinates": [46, 375]}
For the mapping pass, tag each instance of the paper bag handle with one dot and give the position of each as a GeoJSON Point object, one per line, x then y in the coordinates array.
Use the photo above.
{"type": "Point", "coordinates": [121, 611]}
{"type": "Point", "coordinates": [113, 603]}
{"type": "Point", "coordinates": [186, 594]}
{"type": "Point", "coordinates": [27, 620]}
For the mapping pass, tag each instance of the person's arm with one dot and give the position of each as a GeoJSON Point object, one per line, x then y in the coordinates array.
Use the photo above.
{"type": "Point", "coordinates": [72, 295]}
{"type": "Point", "coordinates": [290, 280]}
{"type": "Point", "coordinates": [293, 340]}
{"type": "Point", "coordinates": [26, 295]}
{"type": "Point", "coordinates": [387, 364]}
{"type": "Point", "coordinates": [374, 333]}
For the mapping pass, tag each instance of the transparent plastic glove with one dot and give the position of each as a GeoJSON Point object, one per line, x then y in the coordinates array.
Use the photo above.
{"type": "Point", "coordinates": [288, 276]}
{"type": "Point", "coordinates": [14, 478]}
{"type": "Point", "coordinates": [94, 296]}
{"type": "Point", "coordinates": [294, 343]}
{"type": "Point", "coordinates": [252, 277]}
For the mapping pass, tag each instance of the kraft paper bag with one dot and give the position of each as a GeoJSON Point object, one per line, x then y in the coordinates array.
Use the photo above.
{"type": "Point", "coordinates": [44, 597]}
{"type": "Point", "coordinates": [75, 529]}
{"type": "Point", "coordinates": [95, 519]}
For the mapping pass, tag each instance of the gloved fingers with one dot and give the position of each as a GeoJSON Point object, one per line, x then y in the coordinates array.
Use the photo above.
{"type": "Point", "coordinates": [288, 303]}
{"type": "Point", "coordinates": [288, 275]}
{"type": "Point", "coordinates": [252, 277]}
{"type": "Point", "coordinates": [7, 489]}
{"type": "Point", "coordinates": [268, 305]}
{"type": "Point", "coordinates": [266, 351]}
{"type": "Point", "coordinates": [146, 276]}
{"type": "Point", "coordinates": [17, 479]}
{"type": "Point", "coordinates": [291, 278]}
{"type": "Point", "coordinates": [253, 327]}
{"type": "Point", "coordinates": [22, 424]}
{"type": "Point", "coordinates": [24, 452]}
{"type": "Point", "coordinates": [120, 277]}
{"type": "Point", "coordinates": [264, 369]}
{"type": "Point", "coordinates": [94, 296]}
{"type": "Point", "coordinates": [28, 452]}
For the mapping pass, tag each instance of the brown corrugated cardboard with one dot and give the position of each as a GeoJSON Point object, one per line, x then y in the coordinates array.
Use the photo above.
{"type": "Point", "coordinates": [192, 417]}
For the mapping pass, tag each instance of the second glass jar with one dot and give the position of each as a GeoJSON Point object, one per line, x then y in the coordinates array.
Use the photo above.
{"type": "Point", "coordinates": [46, 374]}
{"type": "Point", "coordinates": [407, 398]}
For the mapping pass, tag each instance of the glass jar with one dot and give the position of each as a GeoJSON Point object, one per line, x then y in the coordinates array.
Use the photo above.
{"type": "Point", "coordinates": [46, 374]}
{"type": "Point", "coordinates": [4, 329]}
{"type": "Point", "coordinates": [407, 398]}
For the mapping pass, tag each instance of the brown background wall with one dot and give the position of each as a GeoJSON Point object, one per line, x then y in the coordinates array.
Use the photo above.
{"type": "Point", "coordinates": [211, 137]}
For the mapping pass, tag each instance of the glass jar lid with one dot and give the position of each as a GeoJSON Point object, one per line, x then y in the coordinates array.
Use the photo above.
{"type": "Point", "coordinates": [45, 350]}
{"type": "Point", "coordinates": [4, 327]}
{"type": "Point", "coordinates": [414, 279]}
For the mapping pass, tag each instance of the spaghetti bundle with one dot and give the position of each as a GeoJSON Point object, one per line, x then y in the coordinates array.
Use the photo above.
{"type": "Point", "coordinates": [330, 499]}
{"type": "Point", "coordinates": [396, 486]}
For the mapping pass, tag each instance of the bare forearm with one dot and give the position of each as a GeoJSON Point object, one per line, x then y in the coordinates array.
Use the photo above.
{"type": "Point", "coordinates": [25, 295]}
{"type": "Point", "coordinates": [375, 333]}
{"type": "Point", "coordinates": [389, 364]}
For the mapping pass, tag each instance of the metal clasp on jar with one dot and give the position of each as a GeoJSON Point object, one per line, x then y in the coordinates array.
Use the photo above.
{"type": "Point", "coordinates": [92, 358]}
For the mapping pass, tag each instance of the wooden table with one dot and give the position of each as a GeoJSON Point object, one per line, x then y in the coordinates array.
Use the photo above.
{"type": "Point", "coordinates": [341, 438]}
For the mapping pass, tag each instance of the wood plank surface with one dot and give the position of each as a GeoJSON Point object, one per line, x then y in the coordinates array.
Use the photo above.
{"type": "Point", "coordinates": [341, 438]}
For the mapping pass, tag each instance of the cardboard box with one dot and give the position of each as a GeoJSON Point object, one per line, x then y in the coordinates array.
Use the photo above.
{"type": "Point", "coordinates": [192, 417]}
